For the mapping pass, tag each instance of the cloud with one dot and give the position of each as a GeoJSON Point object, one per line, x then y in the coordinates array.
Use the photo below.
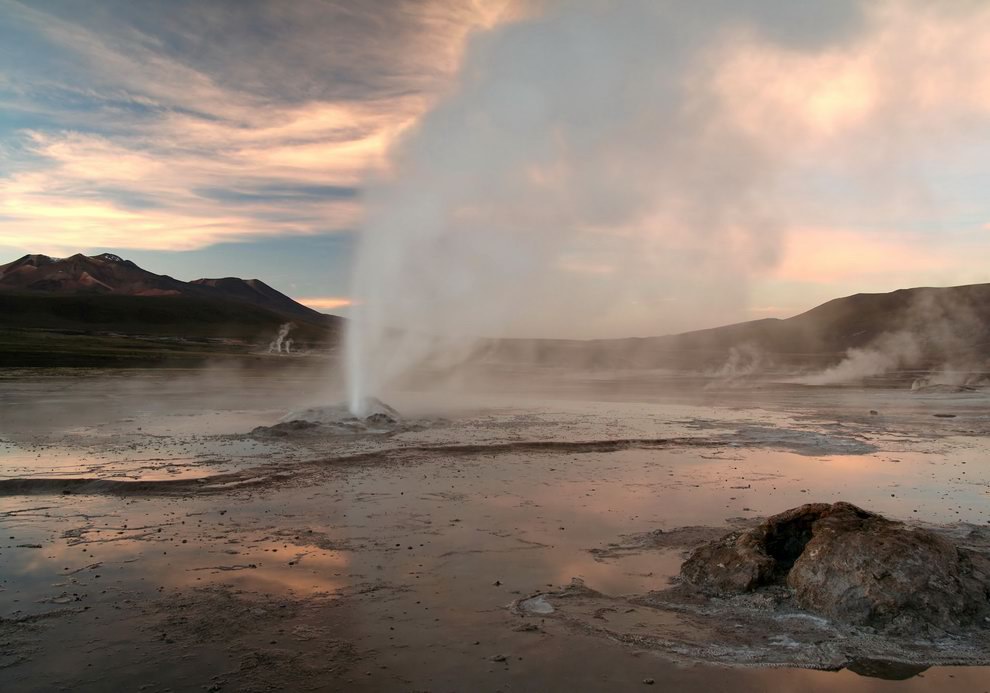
{"type": "Point", "coordinates": [765, 145]}
{"type": "Point", "coordinates": [326, 302]}
{"type": "Point", "coordinates": [835, 256]}
{"type": "Point", "coordinates": [144, 125]}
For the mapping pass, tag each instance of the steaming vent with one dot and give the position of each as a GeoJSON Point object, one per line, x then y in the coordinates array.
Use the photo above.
{"type": "Point", "coordinates": [281, 344]}
{"type": "Point", "coordinates": [376, 416]}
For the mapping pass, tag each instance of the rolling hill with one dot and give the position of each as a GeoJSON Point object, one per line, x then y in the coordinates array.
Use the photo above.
{"type": "Point", "coordinates": [105, 310]}
{"type": "Point", "coordinates": [99, 309]}
{"type": "Point", "coordinates": [942, 324]}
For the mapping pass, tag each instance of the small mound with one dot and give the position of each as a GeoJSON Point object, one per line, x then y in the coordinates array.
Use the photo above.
{"type": "Point", "coordinates": [852, 566]}
{"type": "Point", "coordinates": [821, 586]}
{"type": "Point", "coordinates": [335, 420]}
{"type": "Point", "coordinates": [376, 413]}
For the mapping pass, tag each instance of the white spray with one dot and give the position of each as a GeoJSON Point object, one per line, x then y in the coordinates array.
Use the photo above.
{"type": "Point", "coordinates": [280, 343]}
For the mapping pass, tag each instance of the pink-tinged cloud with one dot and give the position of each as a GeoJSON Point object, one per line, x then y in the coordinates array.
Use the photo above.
{"type": "Point", "coordinates": [836, 256]}
{"type": "Point", "coordinates": [326, 302]}
{"type": "Point", "coordinates": [175, 153]}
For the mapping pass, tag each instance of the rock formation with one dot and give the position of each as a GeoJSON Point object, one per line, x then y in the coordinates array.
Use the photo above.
{"type": "Point", "coordinates": [851, 566]}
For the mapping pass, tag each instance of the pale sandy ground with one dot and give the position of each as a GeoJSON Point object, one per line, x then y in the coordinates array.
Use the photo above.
{"type": "Point", "coordinates": [195, 557]}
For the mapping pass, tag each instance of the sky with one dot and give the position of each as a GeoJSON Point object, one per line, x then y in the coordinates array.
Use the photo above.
{"type": "Point", "coordinates": [841, 152]}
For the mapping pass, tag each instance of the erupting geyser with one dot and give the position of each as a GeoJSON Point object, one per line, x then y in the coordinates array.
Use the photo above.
{"type": "Point", "coordinates": [586, 176]}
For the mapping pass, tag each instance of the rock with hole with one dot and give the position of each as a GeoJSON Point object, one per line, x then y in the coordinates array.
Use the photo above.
{"type": "Point", "coordinates": [852, 566]}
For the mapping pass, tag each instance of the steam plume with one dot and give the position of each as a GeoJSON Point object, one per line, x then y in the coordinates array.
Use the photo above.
{"type": "Point", "coordinates": [595, 172]}
{"type": "Point", "coordinates": [279, 343]}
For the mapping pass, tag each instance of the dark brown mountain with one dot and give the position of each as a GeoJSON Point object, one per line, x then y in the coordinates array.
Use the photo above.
{"type": "Point", "coordinates": [108, 274]}
{"type": "Point", "coordinates": [108, 293]}
{"type": "Point", "coordinates": [99, 274]}
{"type": "Point", "coordinates": [107, 311]}
{"type": "Point", "coordinates": [255, 292]}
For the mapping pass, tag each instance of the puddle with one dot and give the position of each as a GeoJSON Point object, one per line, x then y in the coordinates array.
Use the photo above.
{"type": "Point", "coordinates": [354, 562]}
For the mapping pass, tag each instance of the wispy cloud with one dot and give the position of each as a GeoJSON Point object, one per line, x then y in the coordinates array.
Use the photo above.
{"type": "Point", "coordinates": [857, 163]}
{"type": "Point", "coordinates": [180, 125]}
{"type": "Point", "coordinates": [326, 302]}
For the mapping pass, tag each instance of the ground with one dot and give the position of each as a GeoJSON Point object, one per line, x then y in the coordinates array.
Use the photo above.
{"type": "Point", "coordinates": [159, 534]}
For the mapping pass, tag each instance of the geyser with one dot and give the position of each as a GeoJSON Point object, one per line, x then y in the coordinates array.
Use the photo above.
{"type": "Point", "coordinates": [621, 169]}
{"type": "Point", "coordinates": [574, 182]}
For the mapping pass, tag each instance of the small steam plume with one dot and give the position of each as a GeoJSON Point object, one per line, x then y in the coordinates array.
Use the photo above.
{"type": "Point", "coordinates": [943, 331]}
{"type": "Point", "coordinates": [280, 344]}
{"type": "Point", "coordinates": [887, 353]}
{"type": "Point", "coordinates": [744, 360]}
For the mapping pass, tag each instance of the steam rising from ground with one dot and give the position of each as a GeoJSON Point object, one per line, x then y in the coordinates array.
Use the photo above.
{"type": "Point", "coordinates": [946, 337]}
{"type": "Point", "coordinates": [282, 343]}
{"type": "Point", "coordinates": [611, 169]}
{"type": "Point", "coordinates": [887, 353]}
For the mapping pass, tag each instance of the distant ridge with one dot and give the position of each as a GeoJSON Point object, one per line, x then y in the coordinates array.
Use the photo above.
{"type": "Point", "coordinates": [109, 274]}
{"type": "Point", "coordinates": [256, 292]}
{"type": "Point", "coordinates": [106, 311]}
{"type": "Point", "coordinates": [105, 293]}
{"type": "Point", "coordinates": [945, 323]}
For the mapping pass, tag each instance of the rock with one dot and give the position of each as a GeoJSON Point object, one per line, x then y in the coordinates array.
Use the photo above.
{"type": "Point", "coordinates": [283, 429]}
{"type": "Point", "coordinates": [743, 561]}
{"type": "Point", "coordinates": [890, 671]}
{"type": "Point", "coordinates": [527, 628]}
{"type": "Point", "coordinates": [381, 419]}
{"type": "Point", "coordinates": [852, 566]}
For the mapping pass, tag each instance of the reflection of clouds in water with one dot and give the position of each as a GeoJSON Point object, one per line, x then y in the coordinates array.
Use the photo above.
{"type": "Point", "coordinates": [313, 572]}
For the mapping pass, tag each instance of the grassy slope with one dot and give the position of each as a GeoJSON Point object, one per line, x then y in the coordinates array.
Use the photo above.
{"type": "Point", "coordinates": [51, 330]}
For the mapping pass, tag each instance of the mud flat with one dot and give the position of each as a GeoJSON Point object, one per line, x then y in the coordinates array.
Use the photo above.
{"type": "Point", "coordinates": [519, 542]}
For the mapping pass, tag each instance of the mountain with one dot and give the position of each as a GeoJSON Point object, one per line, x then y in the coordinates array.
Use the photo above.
{"type": "Point", "coordinates": [103, 310]}
{"type": "Point", "coordinates": [936, 325]}
{"type": "Point", "coordinates": [99, 274]}
{"type": "Point", "coordinates": [255, 292]}
{"type": "Point", "coordinates": [109, 274]}
{"type": "Point", "coordinates": [105, 294]}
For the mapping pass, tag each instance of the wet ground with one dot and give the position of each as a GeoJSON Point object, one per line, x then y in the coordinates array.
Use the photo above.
{"type": "Point", "coordinates": [162, 532]}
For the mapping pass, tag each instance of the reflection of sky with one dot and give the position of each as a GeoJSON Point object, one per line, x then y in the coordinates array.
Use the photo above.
{"type": "Point", "coordinates": [440, 534]}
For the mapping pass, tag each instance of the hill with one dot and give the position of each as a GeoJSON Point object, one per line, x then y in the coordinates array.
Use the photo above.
{"type": "Point", "coordinates": [109, 274]}
{"type": "Point", "coordinates": [934, 324]}
{"type": "Point", "coordinates": [105, 310]}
